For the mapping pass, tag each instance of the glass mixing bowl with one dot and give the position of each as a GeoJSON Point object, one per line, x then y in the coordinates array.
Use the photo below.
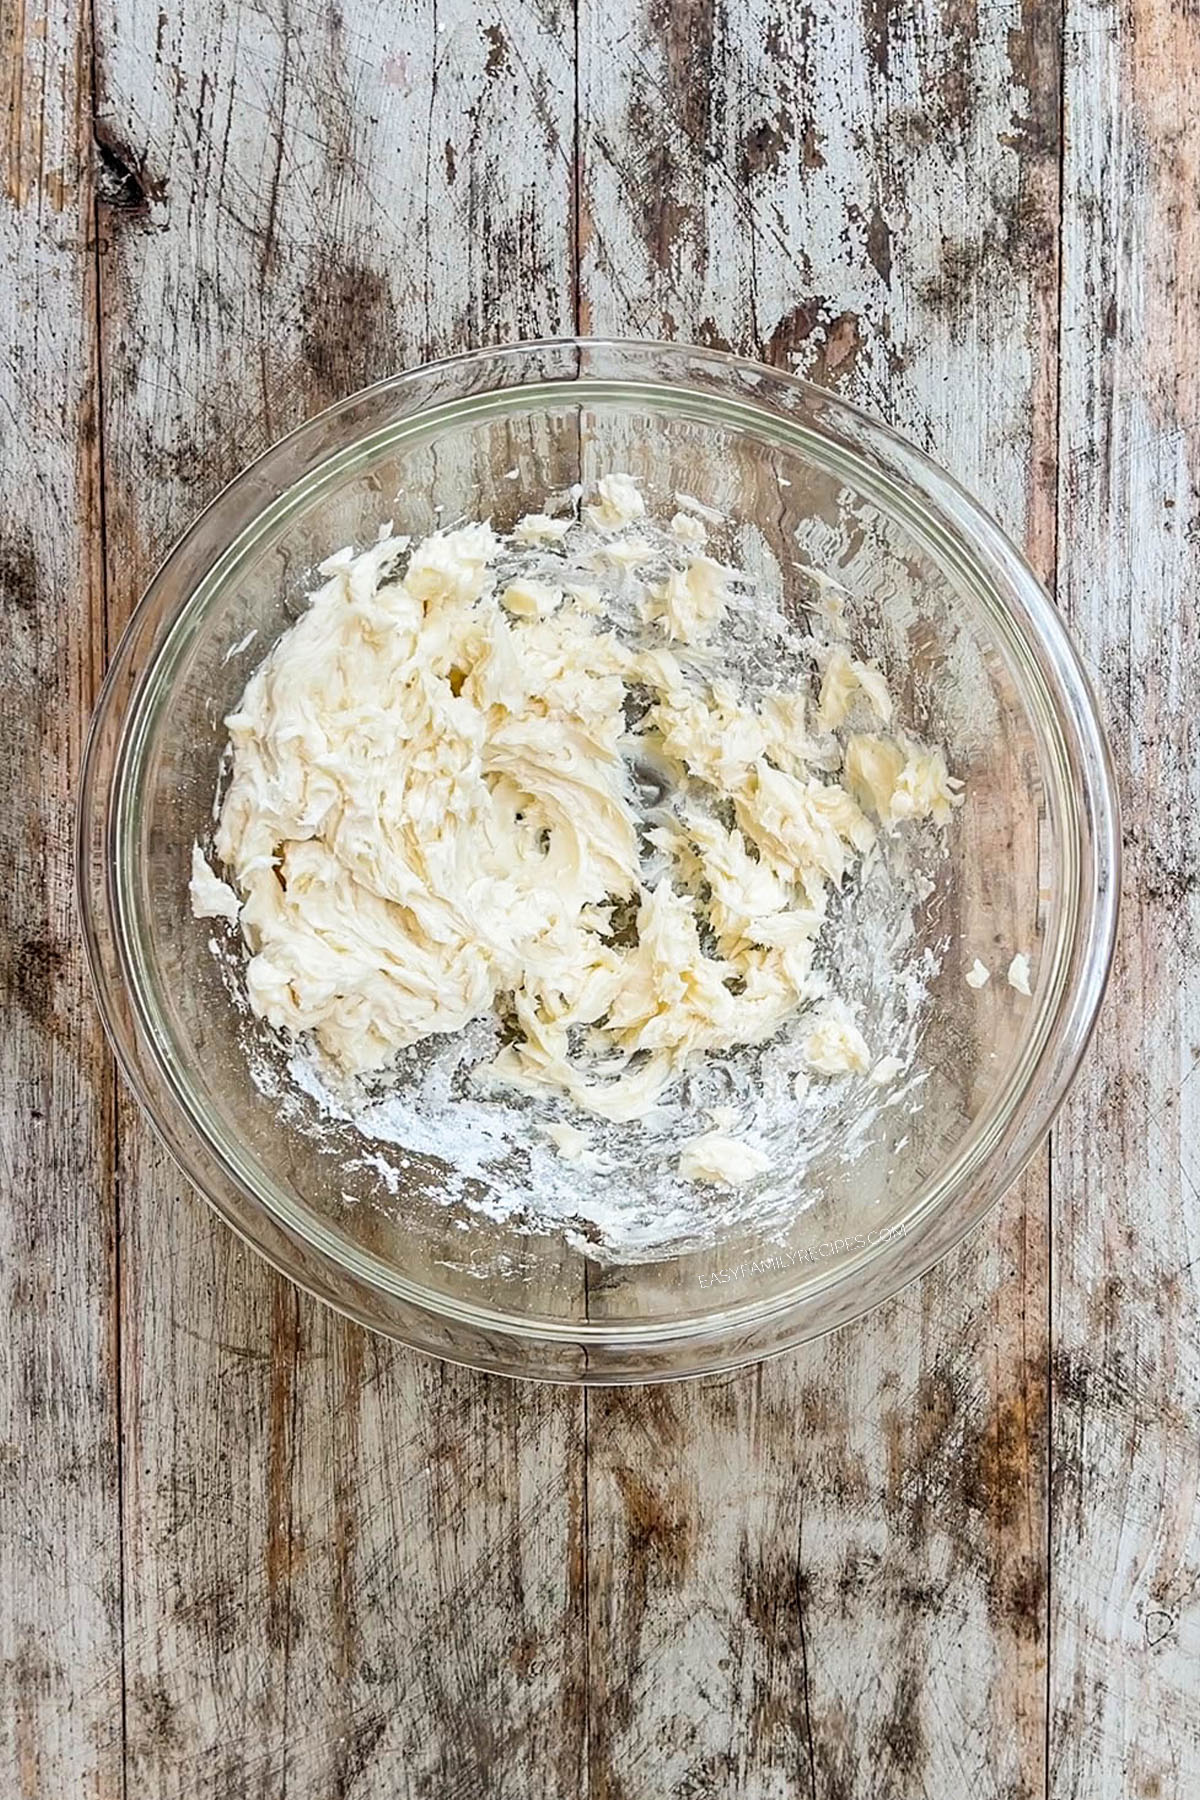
{"type": "Point", "coordinates": [979, 662]}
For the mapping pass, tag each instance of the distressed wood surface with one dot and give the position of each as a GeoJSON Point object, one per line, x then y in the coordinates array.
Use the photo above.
{"type": "Point", "coordinates": [1125, 1531]}
{"type": "Point", "coordinates": [60, 1618]}
{"type": "Point", "coordinates": [840, 1563]}
{"type": "Point", "coordinates": [300, 201]}
{"type": "Point", "coordinates": [245, 1549]}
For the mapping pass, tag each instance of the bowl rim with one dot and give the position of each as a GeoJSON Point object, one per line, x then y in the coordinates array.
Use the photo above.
{"type": "Point", "coordinates": [622, 1350]}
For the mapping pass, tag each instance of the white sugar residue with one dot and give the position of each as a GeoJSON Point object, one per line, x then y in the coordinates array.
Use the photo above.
{"type": "Point", "coordinates": [1018, 974]}
{"type": "Point", "coordinates": [242, 644]}
{"type": "Point", "coordinates": [431, 1124]}
{"type": "Point", "coordinates": [626, 1202]}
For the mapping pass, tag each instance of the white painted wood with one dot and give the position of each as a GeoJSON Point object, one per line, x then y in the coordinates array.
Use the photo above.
{"type": "Point", "coordinates": [1125, 1536]}
{"type": "Point", "coordinates": [347, 1571]}
{"type": "Point", "coordinates": [828, 1576]}
{"type": "Point", "coordinates": [60, 1626]}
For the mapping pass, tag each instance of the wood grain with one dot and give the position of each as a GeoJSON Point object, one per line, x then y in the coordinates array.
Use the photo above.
{"type": "Point", "coordinates": [828, 1577]}
{"type": "Point", "coordinates": [1126, 1457]}
{"type": "Point", "coordinates": [347, 1572]}
{"type": "Point", "coordinates": [951, 1551]}
{"type": "Point", "coordinates": [60, 1623]}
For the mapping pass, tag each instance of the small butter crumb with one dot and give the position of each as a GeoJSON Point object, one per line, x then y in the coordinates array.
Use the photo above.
{"type": "Point", "coordinates": [627, 553]}
{"type": "Point", "coordinates": [1018, 974]}
{"type": "Point", "coordinates": [843, 675]}
{"type": "Point", "coordinates": [619, 502]}
{"type": "Point", "coordinates": [689, 530]}
{"type": "Point", "coordinates": [574, 1146]}
{"type": "Point", "coordinates": [886, 1070]}
{"type": "Point", "coordinates": [836, 1046]}
{"type": "Point", "coordinates": [721, 1160]}
{"type": "Point", "coordinates": [568, 1140]}
{"type": "Point", "coordinates": [691, 601]}
{"type": "Point", "coordinates": [540, 528]}
{"type": "Point", "coordinates": [977, 975]}
{"type": "Point", "coordinates": [212, 898]}
{"type": "Point", "coordinates": [531, 599]}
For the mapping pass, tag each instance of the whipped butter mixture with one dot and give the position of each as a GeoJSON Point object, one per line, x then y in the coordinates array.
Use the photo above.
{"type": "Point", "coordinates": [510, 778]}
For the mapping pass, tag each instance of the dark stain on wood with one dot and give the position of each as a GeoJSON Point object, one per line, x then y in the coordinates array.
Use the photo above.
{"type": "Point", "coordinates": [877, 27]}
{"type": "Point", "coordinates": [1162, 871]}
{"type": "Point", "coordinates": [657, 1544]}
{"type": "Point", "coordinates": [515, 262]}
{"type": "Point", "coordinates": [666, 129]}
{"type": "Point", "coordinates": [20, 572]}
{"type": "Point", "coordinates": [1021, 1603]}
{"type": "Point", "coordinates": [357, 1752]}
{"type": "Point", "coordinates": [902, 1733]}
{"type": "Point", "coordinates": [921, 1597]}
{"type": "Point", "coordinates": [124, 184]}
{"type": "Point", "coordinates": [654, 187]}
{"type": "Point", "coordinates": [839, 354]}
{"type": "Point", "coordinates": [817, 342]}
{"type": "Point", "coordinates": [523, 1655]}
{"type": "Point", "coordinates": [1019, 234]}
{"type": "Point", "coordinates": [497, 56]}
{"type": "Point", "coordinates": [772, 1588]}
{"type": "Point", "coordinates": [154, 1717]}
{"type": "Point", "coordinates": [214, 1613]}
{"type": "Point", "coordinates": [660, 1526]}
{"type": "Point", "coordinates": [912, 129]}
{"type": "Point", "coordinates": [285, 1344]}
{"type": "Point", "coordinates": [348, 327]}
{"type": "Point", "coordinates": [765, 144]}
{"type": "Point", "coordinates": [792, 335]}
{"type": "Point", "coordinates": [956, 86]}
{"type": "Point", "coordinates": [33, 968]}
{"type": "Point", "coordinates": [879, 244]}
{"type": "Point", "coordinates": [855, 1579]}
{"type": "Point", "coordinates": [922, 1440]}
{"type": "Point", "coordinates": [687, 38]}
{"type": "Point", "coordinates": [653, 1413]}
{"type": "Point", "coordinates": [811, 154]}
{"type": "Point", "coordinates": [832, 1773]}
{"type": "Point", "coordinates": [709, 334]}
{"type": "Point", "coordinates": [1035, 57]}
{"type": "Point", "coordinates": [1084, 1382]}
{"type": "Point", "coordinates": [997, 1460]}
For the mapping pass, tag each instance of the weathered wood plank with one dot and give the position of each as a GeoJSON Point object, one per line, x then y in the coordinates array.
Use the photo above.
{"type": "Point", "coordinates": [1125, 1618]}
{"type": "Point", "coordinates": [60, 1647]}
{"type": "Point", "coordinates": [348, 1572]}
{"type": "Point", "coordinates": [827, 1577]}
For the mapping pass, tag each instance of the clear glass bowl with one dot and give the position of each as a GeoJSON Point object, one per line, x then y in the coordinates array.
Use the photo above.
{"type": "Point", "coordinates": [971, 645]}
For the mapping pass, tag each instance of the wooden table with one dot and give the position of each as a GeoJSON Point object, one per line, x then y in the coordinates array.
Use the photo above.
{"type": "Point", "coordinates": [248, 1551]}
